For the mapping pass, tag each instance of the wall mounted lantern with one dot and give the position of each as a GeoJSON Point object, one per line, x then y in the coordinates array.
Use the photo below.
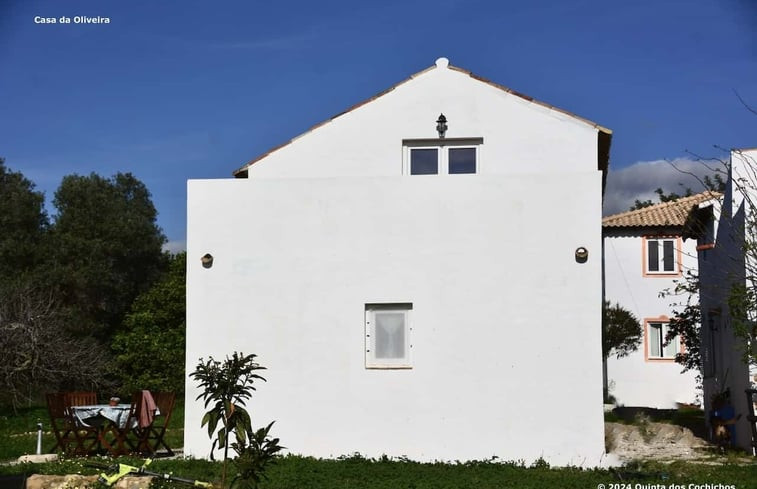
{"type": "Point", "coordinates": [207, 260]}
{"type": "Point", "coordinates": [441, 126]}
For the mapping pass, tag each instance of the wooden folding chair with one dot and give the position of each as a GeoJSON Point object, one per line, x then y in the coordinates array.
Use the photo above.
{"type": "Point", "coordinates": [81, 398]}
{"type": "Point", "coordinates": [157, 431]}
{"type": "Point", "coordinates": [133, 436]}
{"type": "Point", "coordinates": [60, 422]}
{"type": "Point", "coordinates": [86, 439]}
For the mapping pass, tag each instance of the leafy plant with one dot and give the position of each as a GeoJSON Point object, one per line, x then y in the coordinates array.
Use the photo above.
{"type": "Point", "coordinates": [686, 321]}
{"type": "Point", "coordinates": [253, 459]}
{"type": "Point", "coordinates": [227, 386]}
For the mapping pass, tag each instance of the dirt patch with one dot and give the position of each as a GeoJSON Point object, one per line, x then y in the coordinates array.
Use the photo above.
{"type": "Point", "coordinates": [76, 481]}
{"type": "Point", "coordinates": [653, 441]}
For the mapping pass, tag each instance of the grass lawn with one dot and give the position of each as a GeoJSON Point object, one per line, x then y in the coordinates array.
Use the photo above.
{"type": "Point", "coordinates": [294, 472]}
{"type": "Point", "coordinates": [18, 436]}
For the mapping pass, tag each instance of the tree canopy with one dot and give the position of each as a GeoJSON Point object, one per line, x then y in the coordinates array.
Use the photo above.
{"type": "Point", "coordinates": [23, 223]}
{"type": "Point", "coordinates": [149, 348]}
{"type": "Point", "coordinates": [67, 285]}
{"type": "Point", "coordinates": [621, 331]}
{"type": "Point", "coordinates": [108, 248]}
{"type": "Point", "coordinates": [714, 183]}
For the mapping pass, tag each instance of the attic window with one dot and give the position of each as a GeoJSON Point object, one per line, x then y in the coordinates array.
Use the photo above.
{"type": "Point", "coordinates": [441, 156]}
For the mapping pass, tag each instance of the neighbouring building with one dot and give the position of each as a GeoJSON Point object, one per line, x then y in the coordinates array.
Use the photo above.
{"type": "Point", "coordinates": [646, 252]}
{"type": "Point", "coordinates": [727, 259]}
{"type": "Point", "coordinates": [421, 275]}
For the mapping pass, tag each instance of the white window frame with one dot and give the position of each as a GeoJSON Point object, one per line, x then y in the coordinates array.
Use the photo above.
{"type": "Point", "coordinates": [661, 255]}
{"type": "Point", "coordinates": [373, 362]}
{"type": "Point", "coordinates": [663, 327]}
{"type": "Point", "coordinates": [442, 146]}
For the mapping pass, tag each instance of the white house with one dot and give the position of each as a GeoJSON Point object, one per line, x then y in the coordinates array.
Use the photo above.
{"type": "Point", "coordinates": [412, 292]}
{"type": "Point", "coordinates": [723, 263]}
{"type": "Point", "coordinates": [645, 253]}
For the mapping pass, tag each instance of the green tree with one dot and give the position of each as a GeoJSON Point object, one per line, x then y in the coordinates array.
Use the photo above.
{"type": "Point", "coordinates": [149, 348]}
{"type": "Point", "coordinates": [621, 331]}
{"type": "Point", "coordinates": [38, 352]}
{"type": "Point", "coordinates": [713, 183]}
{"type": "Point", "coordinates": [621, 335]}
{"type": "Point", "coordinates": [23, 224]}
{"type": "Point", "coordinates": [686, 321]}
{"type": "Point", "coordinates": [107, 249]}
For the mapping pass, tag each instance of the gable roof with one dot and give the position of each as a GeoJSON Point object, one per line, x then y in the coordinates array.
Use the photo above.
{"type": "Point", "coordinates": [604, 139]}
{"type": "Point", "coordinates": [665, 214]}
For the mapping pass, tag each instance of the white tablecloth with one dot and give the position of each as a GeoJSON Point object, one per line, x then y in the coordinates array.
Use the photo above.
{"type": "Point", "coordinates": [98, 414]}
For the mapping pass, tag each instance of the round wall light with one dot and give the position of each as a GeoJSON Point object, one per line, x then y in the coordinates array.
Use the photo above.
{"type": "Point", "coordinates": [207, 260]}
{"type": "Point", "coordinates": [582, 254]}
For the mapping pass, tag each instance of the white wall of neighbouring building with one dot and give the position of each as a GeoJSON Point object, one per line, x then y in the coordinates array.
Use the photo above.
{"type": "Point", "coordinates": [636, 380]}
{"type": "Point", "coordinates": [725, 266]}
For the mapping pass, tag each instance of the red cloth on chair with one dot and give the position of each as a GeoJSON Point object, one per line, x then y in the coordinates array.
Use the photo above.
{"type": "Point", "coordinates": [147, 411]}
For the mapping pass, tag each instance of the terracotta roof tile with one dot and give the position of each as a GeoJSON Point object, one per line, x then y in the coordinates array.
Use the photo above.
{"type": "Point", "coordinates": [659, 215]}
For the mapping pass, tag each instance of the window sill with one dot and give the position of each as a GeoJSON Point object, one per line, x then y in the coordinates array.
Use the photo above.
{"type": "Point", "coordinates": [660, 360]}
{"type": "Point", "coordinates": [388, 367]}
{"type": "Point", "coordinates": [662, 274]}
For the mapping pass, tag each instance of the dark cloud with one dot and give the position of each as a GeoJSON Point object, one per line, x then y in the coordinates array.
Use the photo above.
{"type": "Point", "coordinates": [639, 181]}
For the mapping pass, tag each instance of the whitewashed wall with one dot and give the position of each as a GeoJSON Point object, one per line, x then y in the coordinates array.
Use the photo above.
{"type": "Point", "coordinates": [633, 380]}
{"type": "Point", "coordinates": [519, 136]}
{"type": "Point", "coordinates": [506, 323]}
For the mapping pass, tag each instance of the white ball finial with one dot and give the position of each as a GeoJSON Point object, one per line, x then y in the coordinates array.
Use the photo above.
{"type": "Point", "coordinates": [442, 63]}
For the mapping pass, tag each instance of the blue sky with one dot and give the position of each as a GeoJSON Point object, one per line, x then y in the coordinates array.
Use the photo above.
{"type": "Point", "coordinates": [172, 91]}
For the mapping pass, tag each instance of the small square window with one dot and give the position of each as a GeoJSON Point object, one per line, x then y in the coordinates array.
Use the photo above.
{"type": "Point", "coordinates": [424, 161]}
{"type": "Point", "coordinates": [462, 160]}
{"type": "Point", "coordinates": [387, 335]}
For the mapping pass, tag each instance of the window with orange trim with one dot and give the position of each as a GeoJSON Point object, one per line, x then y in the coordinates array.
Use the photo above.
{"type": "Point", "coordinates": [661, 256]}
{"type": "Point", "coordinates": [656, 347]}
